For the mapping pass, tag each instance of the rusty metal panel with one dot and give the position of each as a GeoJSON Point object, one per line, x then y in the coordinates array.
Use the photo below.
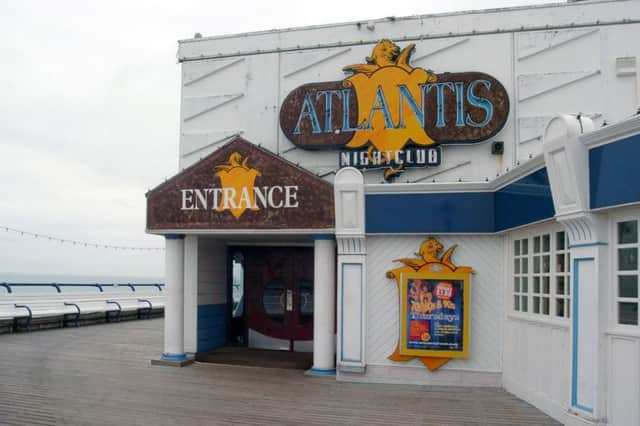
{"type": "Point", "coordinates": [241, 186]}
{"type": "Point", "coordinates": [334, 135]}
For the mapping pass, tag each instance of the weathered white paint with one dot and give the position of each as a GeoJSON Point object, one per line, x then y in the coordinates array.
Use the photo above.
{"type": "Point", "coordinates": [174, 304]}
{"type": "Point", "coordinates": [624, 379]}
{"type": "Point", "coordinates": [483, 367]}
{"type": "Point", "coordinates": [351, 242]}
{"type": "Point", "coordinates": [567, 67]}
{"type": "Point", "coordinates": [324, 302]}
{"type": "Point", "coordinates": [212, 271]}
{"type": "Point", "coordinates": [191, 293]}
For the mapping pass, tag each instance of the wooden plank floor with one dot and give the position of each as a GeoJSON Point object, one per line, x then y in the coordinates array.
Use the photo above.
{"type": "Point", "coordinates": [102, 375]}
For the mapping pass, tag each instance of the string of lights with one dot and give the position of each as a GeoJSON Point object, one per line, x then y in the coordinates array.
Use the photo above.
{"type": "Point", "coordinates": [76, 242]}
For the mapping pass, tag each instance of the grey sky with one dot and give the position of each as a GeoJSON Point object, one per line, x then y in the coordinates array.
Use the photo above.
{"type": "Point", "coordinates": [89, 114]}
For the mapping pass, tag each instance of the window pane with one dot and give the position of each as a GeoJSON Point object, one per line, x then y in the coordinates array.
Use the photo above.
{"type": "Point", "coordinates": [536, 264]}
{"type": "Point", "coordinates": [516, 266]}
{"type": "Point", "coordinates": [560, 285]}
{"type": "Point", "coordinates": [628, 232]}
{"type": "Point", "coordinates": [525, 285]}
{"type": "Point", "coordinates": [516, 285]}
{"type": "Point", "coordinates": [536, 244]}
{"type": "Point", "coordinates": [546, 243]}
{"type": "Point", "coordinates": [560, 240]}
{"type": "Point", "coordinates": [628, 286]}
{"type": "Point", "coordinates": [516, 302]}
{"type": "Point", "coordinates": [516, 247]}
{"type": "Point", "coordinates": [628, 313]}
{"type": "Point", "coordinates": [628, 259]}
{"type": "Point", "coordinates": [545, 285]}
{"type": "Point", "coordinates": [545, 305]}
{"type": "Point", "coordinates": [546, 263]}
{"type": "Point", "coordinates": [536, 284]}
{"type": "Point", "coordinates": [525, 307]}
{"type": "Point", "coordinates": [560, 263]}
{"type": "Point", "coordinates": [524, 264]}
{"type": "Point", "coordinates": [536, 305]}
{"type": "Point", "coordinates": [525, 246]}
{"type": "Point", "coordinates": [560, 307]}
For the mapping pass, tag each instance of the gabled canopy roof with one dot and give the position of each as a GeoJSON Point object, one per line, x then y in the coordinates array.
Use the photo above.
{"type": "Point", "coordinates": [241, 186]}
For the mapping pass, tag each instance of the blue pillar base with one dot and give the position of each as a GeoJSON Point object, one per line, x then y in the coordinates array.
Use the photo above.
{"type": "Point", "coordinates": [321, 372]}
{"type": "Point", "coordinates": [173, 360]}
{"type": "Point", "coordinates": [174, 357]}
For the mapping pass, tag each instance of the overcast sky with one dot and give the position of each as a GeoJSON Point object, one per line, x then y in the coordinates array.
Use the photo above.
{"type": "Point", "coordinates": [89, 115]}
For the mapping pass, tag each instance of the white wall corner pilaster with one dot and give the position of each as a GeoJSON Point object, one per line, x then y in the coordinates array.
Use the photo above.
{"type": "Point", "coordinates": [190, 293]}
{"type": "Point", "coordinates": [351, 241]}
{"type": "Point", "coordinates": [567, 162]}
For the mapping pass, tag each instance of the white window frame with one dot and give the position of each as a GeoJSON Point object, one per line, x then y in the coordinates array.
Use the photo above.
{"type": "Point", "coordinates": [551, 229]}
{"type": "Point", "coordinates": [624, 216]}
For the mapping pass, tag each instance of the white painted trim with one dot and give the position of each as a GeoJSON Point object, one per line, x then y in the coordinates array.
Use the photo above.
{"type": "Point", "coordinates": [533, 165]}
{"type": "Point", "coordinates": [612, 133]}
{"type": "Point", "coordinates": [624, 333]}
{"type": "Point", "coordinates": [617, 206]}
{"type": "Point", "coordinates": [538, 320]}
{"type": "Point", "coordinates": [397, 20]}
{"type": "Point", "coordinates": [240, 231]}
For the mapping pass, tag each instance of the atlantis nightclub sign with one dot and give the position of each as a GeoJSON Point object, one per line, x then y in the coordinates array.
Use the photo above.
{"type": "Point", "coordinates": [388, 114]}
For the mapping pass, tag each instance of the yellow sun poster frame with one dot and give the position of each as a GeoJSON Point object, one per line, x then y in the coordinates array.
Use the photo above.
{"type": "Point", "coordinates": [464, 278]}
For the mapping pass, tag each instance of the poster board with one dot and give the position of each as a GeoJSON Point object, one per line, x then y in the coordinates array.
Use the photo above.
{"type": "Point", "coordinates": [434, 314]}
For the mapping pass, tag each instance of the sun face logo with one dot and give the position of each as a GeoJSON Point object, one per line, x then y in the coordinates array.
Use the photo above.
{"type": "Point", "coordinates": [237, 180]}
{"type": "Point", "coordinates": [390, 95]}
{"type": "Point", "coordinates": [237, 192]}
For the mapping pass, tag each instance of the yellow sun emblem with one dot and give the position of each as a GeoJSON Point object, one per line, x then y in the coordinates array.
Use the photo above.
{"type": "Point", "coordinates": [389, 93]}
{"type": "Point", "coordinates": [237, 180]}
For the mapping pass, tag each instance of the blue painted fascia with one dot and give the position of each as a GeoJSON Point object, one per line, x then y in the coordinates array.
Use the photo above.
{"type": "Point", "coordinates": [614, 175]}
{"type": "Point", "coordinates": [524, 201]}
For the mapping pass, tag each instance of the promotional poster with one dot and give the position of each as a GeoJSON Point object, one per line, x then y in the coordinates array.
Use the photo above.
{"type": "Point", "coordinates": [434, 315]}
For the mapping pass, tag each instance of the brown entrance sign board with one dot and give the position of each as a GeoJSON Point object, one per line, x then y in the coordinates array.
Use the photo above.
{"type": "Point", "coordinates": [241, 186]}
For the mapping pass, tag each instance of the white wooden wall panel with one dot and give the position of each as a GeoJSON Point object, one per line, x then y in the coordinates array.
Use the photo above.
{"type": "Point", "coordinates": [212, 272]}
{"type": "Point", "coordinates": [483, 253]}
{"type": "Point", "coordinates": [624, 382]}
{"type": "Point", "coordinates": [536, 363]}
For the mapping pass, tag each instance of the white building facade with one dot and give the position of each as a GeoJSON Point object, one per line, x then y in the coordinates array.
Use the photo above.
{"type": "Point", "coordinates": [279, 237]}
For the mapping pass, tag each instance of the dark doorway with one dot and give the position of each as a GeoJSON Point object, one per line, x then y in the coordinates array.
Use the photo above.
{"type": "Point", "coordinates": [273, 305]}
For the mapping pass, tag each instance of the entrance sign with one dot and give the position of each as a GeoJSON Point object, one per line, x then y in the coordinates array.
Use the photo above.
{"type": "Point", "coordinates": [386, 104]}
{"type": "Point", "coordinates": [238, 192]}
{"type": "Point", "coordinates": [242, 186]}
{"type": "Point", "coordinates": [434, 306]}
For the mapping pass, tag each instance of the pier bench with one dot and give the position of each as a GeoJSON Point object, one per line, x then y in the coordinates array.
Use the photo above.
{"type": "Point", "coordinates": [21, 304]}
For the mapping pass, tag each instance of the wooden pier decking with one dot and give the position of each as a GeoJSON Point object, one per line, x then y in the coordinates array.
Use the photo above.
{"type": "Point", "coordinates": [102, 375]}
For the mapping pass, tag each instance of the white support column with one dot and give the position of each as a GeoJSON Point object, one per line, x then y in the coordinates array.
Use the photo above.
{"type": "Point", "coordinates": [324, 302]}
{"type": "Point", "coordinates": [174, 299]}
{"type": "Point", "coordinates": [352, 288]}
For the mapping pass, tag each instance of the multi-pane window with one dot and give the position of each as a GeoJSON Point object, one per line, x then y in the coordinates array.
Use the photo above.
{"type": "Point", "coordinates": [627, 272]}
{"type": "Point", "coordinates": [562, 286]}
{"type": "Point", "coordinates": [541, 282]}
{"type": "Point", "coordinates": [521, 275]}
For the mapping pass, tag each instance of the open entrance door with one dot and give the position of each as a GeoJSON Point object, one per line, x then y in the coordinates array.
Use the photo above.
{"type": "Point", "coordinates": [278, 287]}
